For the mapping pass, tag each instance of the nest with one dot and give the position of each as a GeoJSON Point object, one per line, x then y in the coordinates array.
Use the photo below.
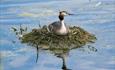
{"type": "Point", "coordinates": [77, 37]}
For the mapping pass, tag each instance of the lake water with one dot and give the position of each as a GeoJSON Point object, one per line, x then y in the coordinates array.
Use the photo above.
{"type": "Point", "coordinates": [95, 16]}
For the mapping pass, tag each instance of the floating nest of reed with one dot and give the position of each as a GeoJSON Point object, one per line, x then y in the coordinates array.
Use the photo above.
{"type": "Point", "coordinates": [77, 37]}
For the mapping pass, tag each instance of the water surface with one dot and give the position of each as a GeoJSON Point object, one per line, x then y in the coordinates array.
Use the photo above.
{"type": "Point", "coordinates": [95, 16]}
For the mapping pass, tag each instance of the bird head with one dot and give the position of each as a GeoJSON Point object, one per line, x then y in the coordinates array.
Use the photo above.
{"type": "Point", "coordinates": [64, 13]}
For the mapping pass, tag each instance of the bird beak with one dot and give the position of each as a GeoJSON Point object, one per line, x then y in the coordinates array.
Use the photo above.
{"type": "Point", "coordinates": [70, 14]}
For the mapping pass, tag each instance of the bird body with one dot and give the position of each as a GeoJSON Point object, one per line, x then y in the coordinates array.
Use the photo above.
{"type": "Point", "coordinates": [59, 27]}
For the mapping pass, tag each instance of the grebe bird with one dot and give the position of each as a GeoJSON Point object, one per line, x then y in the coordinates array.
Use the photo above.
{"type": "Point", "coordinates": [59, 27]}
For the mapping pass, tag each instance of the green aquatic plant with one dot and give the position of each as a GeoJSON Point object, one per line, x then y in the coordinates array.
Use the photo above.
{"type": "Point", "coordinates": [75, 38]}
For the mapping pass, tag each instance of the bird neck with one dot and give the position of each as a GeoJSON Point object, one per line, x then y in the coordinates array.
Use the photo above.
{"type": "Point", "coordinates": [61, 17]}
{"type": "Point", "coordinates": [62, 22]}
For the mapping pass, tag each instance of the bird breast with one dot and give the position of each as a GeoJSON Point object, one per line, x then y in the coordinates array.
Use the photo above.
{"type": "Point", "coordinates": [63, 29]}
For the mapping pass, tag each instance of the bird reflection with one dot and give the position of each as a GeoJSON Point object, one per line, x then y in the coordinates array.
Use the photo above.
{"type": "Point", "coordinates": [63, 57]}
{"type": "Point", "coordinates": [62, 53]}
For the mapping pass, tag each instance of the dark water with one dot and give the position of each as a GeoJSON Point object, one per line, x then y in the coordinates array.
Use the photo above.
{"type": "Point", "coordinates": [95, 16]}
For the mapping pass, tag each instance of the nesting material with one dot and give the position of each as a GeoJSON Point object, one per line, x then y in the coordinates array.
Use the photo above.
{"type": "Point", "coordinates": [77, 37]}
